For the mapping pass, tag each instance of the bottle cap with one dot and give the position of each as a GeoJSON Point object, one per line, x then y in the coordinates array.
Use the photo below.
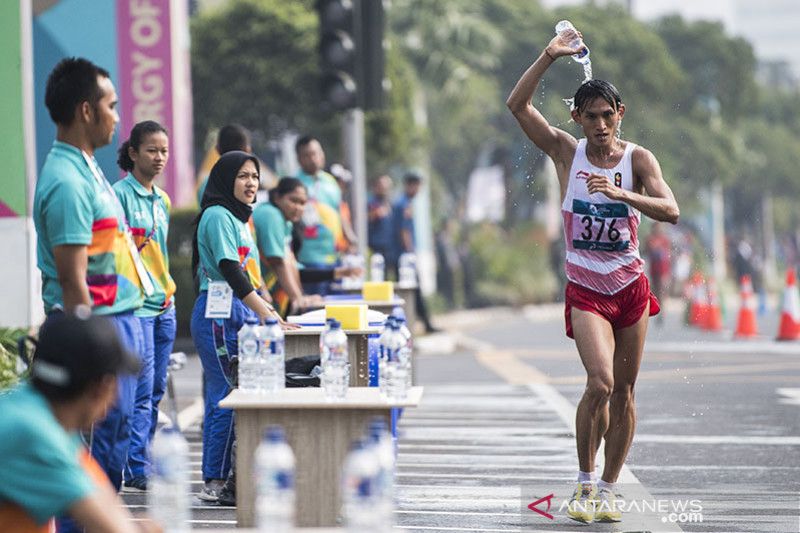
{"type": "Point", "coordinates": [274, 434]}
{"type": "Point", "coordinates": [251, 321]}
{"type": "Point", "coordinates": [271, 322]}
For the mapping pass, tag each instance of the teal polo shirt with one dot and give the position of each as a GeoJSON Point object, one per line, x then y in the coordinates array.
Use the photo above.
{"type": "Point", "coordinates": [319, 237]}
{"type": "Point", "coordinates": [323, 188]}
{"type": "Point", "coordinates": [220, 235]}
{"type": "Point", "coordinates": [72, 206]}
{"type": "Point", "coordinates": [39, 460]}
{"type": "Point", "coordinates": [273, 235]}
{"type": "Point", "coordinates": [148, 217]}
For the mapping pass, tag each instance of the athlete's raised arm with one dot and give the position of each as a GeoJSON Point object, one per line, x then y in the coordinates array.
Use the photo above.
{"type": "Point", "coordinates": [549, 139]}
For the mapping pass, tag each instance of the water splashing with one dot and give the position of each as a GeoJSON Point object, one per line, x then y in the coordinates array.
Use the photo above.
{"type": "Point", "coordinates": [587, 71]}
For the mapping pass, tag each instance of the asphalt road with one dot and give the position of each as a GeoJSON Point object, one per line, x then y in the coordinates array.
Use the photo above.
{"type": "Point", "coordinates": [718, 431]}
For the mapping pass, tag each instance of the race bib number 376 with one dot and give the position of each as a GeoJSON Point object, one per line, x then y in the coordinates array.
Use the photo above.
{"type": "Point", "coordinates": [601, 227]}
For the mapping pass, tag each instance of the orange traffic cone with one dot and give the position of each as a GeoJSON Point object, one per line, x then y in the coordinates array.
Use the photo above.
{"type": "Point", "coordinates": [746, 324]}
{"type": "Point", "coordinates": [699, 305]}
{"type": "Point", "coordinates": [789, 329]}
{"type": "Point", "coordinates": [713, 315]}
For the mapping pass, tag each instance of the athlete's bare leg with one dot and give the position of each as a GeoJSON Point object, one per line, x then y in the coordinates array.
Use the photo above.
{"type": "Point", "coordinates": [594, 338]}
{"type": "Point", "coordinates": [622, 420]}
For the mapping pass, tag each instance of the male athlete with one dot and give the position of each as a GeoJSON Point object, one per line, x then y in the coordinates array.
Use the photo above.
{"type": "Point", "coordinates": [605, 184]}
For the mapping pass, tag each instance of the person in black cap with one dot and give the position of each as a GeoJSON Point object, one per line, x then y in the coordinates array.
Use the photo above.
{"type": "Point", "coordinates": [47, 472]}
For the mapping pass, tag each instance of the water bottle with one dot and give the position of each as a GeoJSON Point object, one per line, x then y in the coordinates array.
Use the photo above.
{"type": "Point", "coordinates": [407, 269]}
{"type": "Point", "coordinates": [250, 355]}
{"type": "Point", "coordinates": [353, 261]}
{"type": "Point", "coordinates": [273, 357]}
{"type": "Point", "coordinates": [360, 489]}
{"type": "Point", "coordinates": [323, 350]}
{"type": "Point", "coordinates": [274, 470]}
{"type": "Point", "coordinates": [407, 349]}
{"type": "Point", "coordinates": [336, 369]}
{"type": "Point", "coordinates": [395, 382]}
{"type": "Point", "coordinates": [168, 497]}
{"type": "Point", "coordinates": [383, 445]}
{"type": "Point", "coordinates": [581, 57]}
{"type": "Point", "coordinates": [383, 353]}
{"type": "Point", "coordinates": [377, 268]}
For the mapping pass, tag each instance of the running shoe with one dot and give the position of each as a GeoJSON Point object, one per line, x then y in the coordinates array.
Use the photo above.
{"type": "Point", "coordinates": [137, 484]}
{"type": "Point", "coordinates": [581, 506]}
{"type": "Point", "coordinates": [210, 492]}
{"type": "Point", "coordinates": [606, 508]}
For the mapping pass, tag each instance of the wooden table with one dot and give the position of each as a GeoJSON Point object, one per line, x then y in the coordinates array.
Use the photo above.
{"type": "Point", "coordinates": [305, 341]}
{"type": "Point", "coordinates": [319, 432]}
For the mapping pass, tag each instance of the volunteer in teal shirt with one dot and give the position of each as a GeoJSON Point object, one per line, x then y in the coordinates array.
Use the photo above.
{"type": "Point", "coordinates": [322, 223]}
{"type": "Point", "coordinates": [144, 156]}
{"type": "Point", "coordinates": [223, 251]}
{"type": "Point", "coordinates": [46, 471]}
{"type": "Point", "coordinates": [75, 205]}
{"type": "Point", "coordinates": [79, 219]}
{"type": "Point", "coordinates": [273, 222]}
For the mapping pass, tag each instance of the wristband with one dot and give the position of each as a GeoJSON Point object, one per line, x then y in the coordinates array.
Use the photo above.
{"type": "Point", "coordinates": [548, 55]}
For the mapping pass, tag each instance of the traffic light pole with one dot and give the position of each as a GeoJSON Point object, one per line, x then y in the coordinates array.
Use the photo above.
{"type": "Point", "coordinates": [355, 160]}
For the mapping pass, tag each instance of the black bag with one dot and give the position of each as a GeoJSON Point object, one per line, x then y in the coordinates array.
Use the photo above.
{"type": "Point", "coordinates": [298, 371]}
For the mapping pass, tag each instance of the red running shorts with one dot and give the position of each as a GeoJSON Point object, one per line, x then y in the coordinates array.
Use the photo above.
{"type": "Point", "coordinates": [621, 310]}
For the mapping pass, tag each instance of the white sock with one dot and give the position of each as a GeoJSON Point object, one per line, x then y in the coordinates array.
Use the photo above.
{"type": "Point", "coordinates": [586, 477]}
{"type": "Point", "coordinates": [605, 485]}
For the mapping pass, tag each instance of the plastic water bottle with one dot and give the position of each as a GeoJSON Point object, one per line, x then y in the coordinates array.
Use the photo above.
{"type": "Point", "coordinates": [377, 268]}
{"type": "Point", "coordinates": [353, 261]}
{"type": "Point", "coordinates": [393, 371]}
{"type": "Point", "coordinates": [407, 349]}
{"type": "Point", "coordinates": [323, 350]}
{"type": "Point", "coordinates": [383, 354]}
{"type": "Point", "coordinates": [383, 445]}
{"type": "Point", "coordinates": [407, 269]}
{"type": "Point", "coordinates": [273, 357]}
{"type": "Point", "coordinates": [581, 57]}
{"type": "Point", "coordinates": [274, 468]}
{"type": "Point", "coordinates": [360, 489]}
{"type": "Point", "coordinates": [336, 369]}
{"type": "Point", "coordinates": [250, 355]}
{"type": "Point", "coordinates": [168, 497]}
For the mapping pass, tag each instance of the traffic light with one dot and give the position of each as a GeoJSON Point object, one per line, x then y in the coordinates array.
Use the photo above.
{"type": "Point", "coordinates": [351, 53]}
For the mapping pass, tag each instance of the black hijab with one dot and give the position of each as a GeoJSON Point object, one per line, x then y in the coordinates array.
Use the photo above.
{"type": "Point", "coordinates": [219, 191]}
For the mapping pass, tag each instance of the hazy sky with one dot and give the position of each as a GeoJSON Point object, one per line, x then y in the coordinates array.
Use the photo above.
{"type": "Point", "coordinates": [771, 26]}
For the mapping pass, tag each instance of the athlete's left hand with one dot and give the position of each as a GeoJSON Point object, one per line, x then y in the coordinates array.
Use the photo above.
{"type": "Point", "coordinates": [599, 183]}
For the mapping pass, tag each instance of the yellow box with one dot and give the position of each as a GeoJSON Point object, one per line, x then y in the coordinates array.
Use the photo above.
{"type": "Point", "coordinates": [378, 291]}
{"type": "Point", "coordinates": [352, 316]}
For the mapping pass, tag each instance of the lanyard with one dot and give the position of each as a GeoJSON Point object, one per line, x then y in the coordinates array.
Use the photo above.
{"type": "Point", "coordinates": [149, 237]}
{"type": "Point", "coordinates": [141, 271]}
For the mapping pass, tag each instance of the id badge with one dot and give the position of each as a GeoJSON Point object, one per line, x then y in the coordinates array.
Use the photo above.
{"type": "Point", "coordinates": [141, 271]}
{"type": "Point", "coordinates": [219, 301]}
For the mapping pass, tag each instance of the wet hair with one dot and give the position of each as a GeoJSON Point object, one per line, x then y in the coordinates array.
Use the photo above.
{"type": "Point", "coordinates": [71, 82]}
{"type": "Point", "coordinates": [286, 185]}
{"type": "Point", "coordinates": [233, 137]}
{"type": "Point", "coordinates": [138, 134]}
{"type": "Point", "coordinates": [303, 141]}
{"type": "Point", "coordinates": [593, 89]}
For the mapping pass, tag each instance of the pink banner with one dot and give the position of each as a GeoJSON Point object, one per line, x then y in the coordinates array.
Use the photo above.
{"type": "Point", "coordinates": [145, 72]}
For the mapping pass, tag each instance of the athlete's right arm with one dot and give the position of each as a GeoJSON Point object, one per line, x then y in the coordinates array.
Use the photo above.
{"type": "Point", "coordinates": [549, 139]}
{"type": "Point", "coordinates": [103, 512]}
{"type": "Point", "coordinates": [72, 262]}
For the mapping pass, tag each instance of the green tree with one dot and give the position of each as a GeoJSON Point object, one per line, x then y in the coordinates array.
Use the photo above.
{"type": "Point", "coordinates": [255, 62]}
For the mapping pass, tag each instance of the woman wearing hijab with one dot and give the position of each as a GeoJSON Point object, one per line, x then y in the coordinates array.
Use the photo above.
{"type": "Point", "coordinates": [225, 261]}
